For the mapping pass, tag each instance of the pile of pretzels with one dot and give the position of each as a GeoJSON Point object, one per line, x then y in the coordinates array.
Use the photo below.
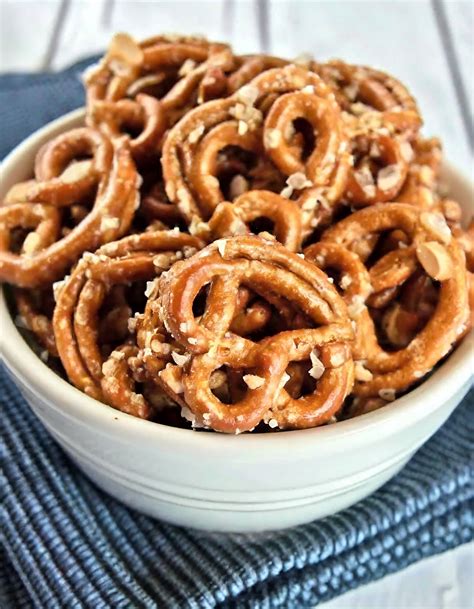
{"type": "Point", "coordinates": [239, 243]}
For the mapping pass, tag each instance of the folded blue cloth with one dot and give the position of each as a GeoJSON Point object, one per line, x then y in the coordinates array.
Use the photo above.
{"type": "Point", "coordinates": [67, 544]}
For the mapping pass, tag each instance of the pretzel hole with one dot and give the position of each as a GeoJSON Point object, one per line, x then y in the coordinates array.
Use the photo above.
{"type": "Point", "coordinates": [227, 385]}
{"type": "Point", "coordinates": [300, 383]}
{"type": "Point", "coordinates": [231, 162]}
{"type": "Point", "coordinates": [304, 137]}
{"type": "Point", "coordinates": [261, 225]}
{"type": "Point", "coordinates": [385, 242]}
{"type": "Point", "coordinates": [18, 236]}
{"type": "Point", "coordinates": [398, 323]}
{"type": "Point", "coordinates": [155, 85]}
{"type": "Point", "coordinates": [199, 304]}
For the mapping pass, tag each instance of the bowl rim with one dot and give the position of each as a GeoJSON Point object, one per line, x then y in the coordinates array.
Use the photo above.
{"type": "Point", "coordinates": [26, 366]}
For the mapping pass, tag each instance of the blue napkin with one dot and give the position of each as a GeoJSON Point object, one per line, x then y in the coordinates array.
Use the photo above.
{"type": "Point", "coordinates": [67, 544]}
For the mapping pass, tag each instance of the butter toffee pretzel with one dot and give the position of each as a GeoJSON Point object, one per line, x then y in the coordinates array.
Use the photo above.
{"type": "Point", "coordinates": [239, 243]}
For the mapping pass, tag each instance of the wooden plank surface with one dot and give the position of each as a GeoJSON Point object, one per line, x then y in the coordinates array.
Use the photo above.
{"type": "Point", "coordinates": [26, 31]}
{"type": "Point", "coordinates": [399, 37]}
{"type": "Point", "coordinates": [427, 44]}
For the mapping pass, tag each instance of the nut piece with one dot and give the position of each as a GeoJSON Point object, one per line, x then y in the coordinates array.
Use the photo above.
{"type": "Point", "coordinates": [435, 260]}
{"type": "Point", "coordinates": [76, 171]}
{"type": "Point", "coordinates": [253, 381]}
{"type": "Point", "coordinates": [436, 225]}
{"type": "Point", "coordinates": [124, 49]}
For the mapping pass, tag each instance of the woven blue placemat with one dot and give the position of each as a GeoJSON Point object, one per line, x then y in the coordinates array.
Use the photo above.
{"type": "Point", "coordinates": [66, 544]}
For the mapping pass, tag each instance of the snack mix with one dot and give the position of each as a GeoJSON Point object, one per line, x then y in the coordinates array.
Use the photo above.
{"type": "Point", "coordinates": [238, 243]}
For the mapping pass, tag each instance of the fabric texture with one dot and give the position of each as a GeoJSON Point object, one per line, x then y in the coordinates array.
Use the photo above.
{"type": "Point", "coordinates": [67, 544]}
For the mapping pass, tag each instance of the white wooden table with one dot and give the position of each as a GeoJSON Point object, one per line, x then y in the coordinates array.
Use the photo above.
{"type": "Point", "coordinates": [428, 44]}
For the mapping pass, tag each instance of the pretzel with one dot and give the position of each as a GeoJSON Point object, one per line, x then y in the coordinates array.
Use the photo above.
{"type": "Point", "coordinates": [235, 218]}
{"type": "Point", "coordinates": [368, 183]}
{"type": "Point", "coordinates": [391, 372]}
{"type": "Point", "coordinates": [372, 96]}
{"type": "Point", "coordinates": [154, 205]}
{"type": "Point", "coordinates": [179, 71]}
{"type": "Point", "coordinates": [76, 323]}
{"type": "Point", "coordinates": [44, 255]}
{"type": "Point", "coordinates": [144, 116]}
{"type": "Point", "coordinates": [214, 171]}
{"type": "Point", "coordinates": [191, 149]}
{"type": "Point", "coordinates": [209, 344]}
{"type": "Point", "coordinates": [250, 67]}
{"type": "Point", "coordinates": [423, 173]}
{"type": "Point", "coordinates": [35, 311]}
{"type": "Point", "coordinates": [60, 177]}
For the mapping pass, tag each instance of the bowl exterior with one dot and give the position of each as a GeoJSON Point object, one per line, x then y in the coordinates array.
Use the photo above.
{"type": "Point", "coordinates": [228, 483]}
{"type": "Point", "coordinates": [233, 489]}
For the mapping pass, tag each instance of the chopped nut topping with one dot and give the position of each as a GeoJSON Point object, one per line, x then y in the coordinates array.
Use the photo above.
{"type": "Point", "coordinates": [248, 94]}
{"type": "Point", "coordinates": [406, 151]}
{"type": "Point", "coordinates": [179, 358]}
{"type": "Point", "coordinates": [109, 223]}
{"type": "Point", "coordinates": [436, 225]}
{"type": "Point", "coordinates": [356, 307]}
{"type": "Point", "coordinates": [272, 138]}
{"type": "Point", "coordinates": [124, 51]}
{"type": "Point", "coordinates": [435, 259]}
{"type": "Point", "coordinates": [388, 177]}
{"type": "Point", "coordinates": [151, 287]}
{"type": "Point", "coordinates": [196, 133]}
{"type": "Point", "coordinates": [238, 185]}
{"type": "Point", "coordinates": [389, 395]}
{"type": "Point", "coordinates": [187, 67]}
{"type": "Point", "coordinates": [298, 180]}
{"type": "Point", "coordinates": [171, 376]}
{"type": "Point", "coordinates": [361, 373]}
{"type": "Point", "coordinates": [253, 381]}
{"type": "Point", "coordinates": [317, 366]}
{"type": "Point", "coordinates": [220, 244]}
{"type": "Point", "coordinates": [31, 244]}
{"type": "Point", "coordinates": [345, 281]}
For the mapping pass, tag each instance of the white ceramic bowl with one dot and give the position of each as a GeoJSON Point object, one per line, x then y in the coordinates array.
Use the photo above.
{"type": "Point", "coordinates": [220, 482]}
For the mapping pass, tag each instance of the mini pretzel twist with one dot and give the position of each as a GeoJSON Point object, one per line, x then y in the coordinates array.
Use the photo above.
{"type": "Point", "coordinates": [208, 343]}
{"type": "Point", "coordinates": [143, 116]}
{"type": "Point", "coordinates": [372, 96]}
{"type": "Point", "coordinates": [432, 248]}
{"type": "Point", "coordinates": [62, 175]}
{"type": "Point", "coordinates": [191, 150]}
{"type": "Point", "coordinates": [35, 311]}
{"type": "Point", "coordinates": [137, 258]}
{"type": "Point", "coordinates": [230, 219]}
{"type": "Point", "coordinates": [179, 71]}
{"type": "Point", "coordinates": [45, 255]}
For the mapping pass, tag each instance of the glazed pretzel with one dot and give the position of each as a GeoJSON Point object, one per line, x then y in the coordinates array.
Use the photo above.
{"type": "Point", "coordinates": [192, 147]}
{"type": "Point", "coordinates": [251, 66]}
{"type": "Point", "coordinates": [379, 171]}
{"type": "Point", "coordinates": [122, 371]}
{"type": "Point", "coordinates": [423, 174]}
{"type": "Point", "coordinates": [143, 115]}
{"type": "Point", "coordinates": [45, 255]}
{"type": "Point", "coordinates": [208, 343]}
{"type": "Point", "coordinates": [431, 247]}
{"type": "Point", "coordinates": [372, 96]}
{"type": "Point", "coordinates": [179, 71]}
{"type": "Point", "coordinates": [62, 175]}
{"type": "Point", "coordinates": [230, 219]}
{"type": "Point", "coordinates": [136, 258]}
{"type": "Point", "coordinates": [35, 311]}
